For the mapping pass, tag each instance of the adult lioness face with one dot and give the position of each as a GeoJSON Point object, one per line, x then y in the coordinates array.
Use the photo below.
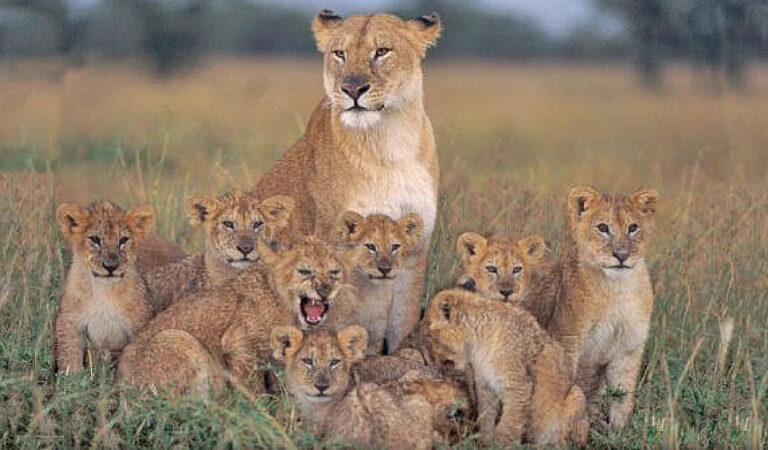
{"type": "Point", "coordinates": [372, 63]}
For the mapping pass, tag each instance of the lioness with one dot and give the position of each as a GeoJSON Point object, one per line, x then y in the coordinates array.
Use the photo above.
{"type": "Point", "coordinates": [105, 298]}
{"type": "Point", "coordinates": [369, 145]}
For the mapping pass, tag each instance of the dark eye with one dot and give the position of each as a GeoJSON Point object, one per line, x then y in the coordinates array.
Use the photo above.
{"type": "Point", "coordinates": [335, 272]}
{"type": "Point", "coordinates": [396, 247]}
{"type": "Point", "coordinates": [371, 247]}
{"type": "Point", "coordinates": [603, 228]}
{"type": "Point", "coordinates": [335, 362]}
{"type": "Point", "coordinates": [257, 225]}
{"type": "Point", "coordinates": [381, 51]}
{"type": "Point", "coordinates": [517, 269]}
{"type": "Point", "coordinates": [95, 239]}
{"type": "Point", "coordinates": [305, 272]}
{"type": "Point", "coordinates": [308, 361]}
{"type": "Point", "coordinates": [491, 269]}
{"type": "Point", "coordinates": [228, 224]}
{"type": "Point", "coordinates": [633, 228]}
{"type": "Point", "coordinates": [123, 240]}
{"type": "Point", "coordinates": [339, 54]}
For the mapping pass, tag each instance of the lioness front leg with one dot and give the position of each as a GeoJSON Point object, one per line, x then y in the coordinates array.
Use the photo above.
{"type": "Point", "coordinates": [406, 300]}
{"type": "Point", "coordinates": [621, 375]}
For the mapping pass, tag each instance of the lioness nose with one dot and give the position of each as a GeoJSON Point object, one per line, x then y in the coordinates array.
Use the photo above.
{"type": "Point", "coordinates": [245, 247]}
{"type": "Point", "coordinates": [355, 86]}
{"type": "Point", "coordinates": [621, 254]}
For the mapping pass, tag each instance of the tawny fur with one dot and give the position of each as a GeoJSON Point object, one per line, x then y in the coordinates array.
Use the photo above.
{"type": "Point", "coordinates": [105, 299]}
{"type": "Point", "coordinates": [381, 246]}
{"type": "Point", "coordinates": [366, 414]}
{"type": "Point", "coordinates": [599, 311]}
{"type": "Point", "coordinates": [252, 220]}
{"type": "Point", "coordinates": [380, 160]}
{"type": "Point", "coordinates": [516, 366]}
{"type": "Point", "coordinates": [155, 252]}
{"type": "Point", "coordinates": [223, 332]}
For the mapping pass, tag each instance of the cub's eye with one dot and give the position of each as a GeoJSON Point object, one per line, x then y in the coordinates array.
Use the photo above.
{"type": "Point", "coordinates": [95, 239]}
{"type": "Point", "coordinates": [308, 362]}
{"type": "Point", "coordinates": [517, 269]}
{"type": "Point", "coordinates": [339, 54]}
{"type": "Point", "coordinates": [305, 272]}
{"type": "Point", "coordinates": [396, 247]}
{"type": "Point", "coordinates": [229, 225]}
{"type": "Point", "coordinates": [257, 225]}
{"type": "Point", "coordinates": [633, 228]}
{"type": "Point", "coordinates": [603, 228]}
{"type": "Point", "coordinates": [371, 247]}
{"type": "Point", "coordinates": [335, 273]}
{"type": "Point", "coordinates": [381, 51]}
{"type": "Point", "coordinates": [335, 362]}
{"type": "Point", "coordinates": [123, 240]}
{"type": "Point", "coordinates": [491, 269]}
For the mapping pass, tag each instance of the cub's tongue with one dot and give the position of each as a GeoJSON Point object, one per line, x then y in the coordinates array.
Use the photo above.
{"type": "Point", "coordinates": [314, 311]}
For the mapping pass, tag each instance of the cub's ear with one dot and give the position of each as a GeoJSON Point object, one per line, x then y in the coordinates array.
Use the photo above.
{"type": "Point", "coordinates": [277, 210]}
{"type": "Point", "coordinates": [534, 246]}
{"type": "Point", "coordinates": [426, 29]}
{"type": "Point", "coordinates": [323, 27]}
{"type": "Point", "coordinates": [72, 219]}
{"type": "Point", "coordinates": [353, 340]}
{"type": "Point", "coordinates": [285, 342]}
{"type": "Point", "coordinates": [470, 245]}
{"type": "Point", "coordinates": [580, 200]}
{"type": "Point", "coordinates": [201, 208]}
{"type": "Point", "coordinates": [140, 220]}
{"type": "Point", "coordinates": [442, 307]}
{"type": "Point", "coordinates": [645, 200]}
{"type": "Point", "coordinates": [351, 227]}
{"type": "Point", "coordinates": [412, 226]}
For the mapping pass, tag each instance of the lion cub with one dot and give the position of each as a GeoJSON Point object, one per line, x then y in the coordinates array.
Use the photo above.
{"type": "Point", "coordinates": [603, 306]}
{"type": "Point", "coordinates": [500, 269]}
{"type": "Point", "coordinates": [515, 365]}
{"type": "Point", "coordinates": [381, 245]}
{"type": "Point", "coordinates": [233, 224]}
{"type": "Point", "coordinates": [406, 414]}
{"type": "Point", "coordinates": [224, 331]}
{"type": "Point", "coordinates": [105, 298]}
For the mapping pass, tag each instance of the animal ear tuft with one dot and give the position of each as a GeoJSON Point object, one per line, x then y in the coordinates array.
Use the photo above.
{"type": "Point", "coordinates": [646, 200]}
{"type": "Point", "coordinates": [426, 30]}
{"type": "Point", "coordinates": [580, 200]}
{"type": "Point", "coordinates": [72, 219]}
{"type": "Point", "coordinates": [412, 226]}
{"type": "Point", "coordinates": [534, 246]}
{"type": "Point", "coordinates": [277, 210]}
{"type": "Point", "coordinates": [351, 226]}
{"type": "Point", "coordinates": [201, 208]}
{"type": "Point", "coordinates": [353, 341]}
{"type": "Point", "coordinates": [470, 245]}
{"type": "Point", "coordinates": [323, 26]}
{"type": "Point", "coordinates": [140, 220]}
{"type": "Point", "coordinates": [285, 342]}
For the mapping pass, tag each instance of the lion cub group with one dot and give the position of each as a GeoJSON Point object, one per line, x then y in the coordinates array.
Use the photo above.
{"type": "Point", "coordinates": [526, 348]}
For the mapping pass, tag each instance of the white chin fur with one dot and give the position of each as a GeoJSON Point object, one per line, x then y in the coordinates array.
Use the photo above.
{"type": "Point", "coordinates": [241, 264]}
{"type": "Point", "coordinates": [360, 119]}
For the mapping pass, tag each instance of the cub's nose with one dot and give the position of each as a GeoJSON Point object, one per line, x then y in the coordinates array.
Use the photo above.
{"type": "Point", "coordinates": [506, 292]}
{"type": "Point", "coordinates": [245, 247]}
{"type": "Point", "coordinates": [621, 254]}
{"type": "Point", "coordinates": [324, 290]}
{"type": "Point", "coordinates": [322, 384]}
{"type": "Point", "coordinates": [385, 268]}
{"type": "Point", "coordinates": [110, 263]}
{"type": "Point", "coordinates": [355, 86]}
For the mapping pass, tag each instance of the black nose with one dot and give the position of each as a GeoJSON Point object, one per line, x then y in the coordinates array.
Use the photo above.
{"type": "Point", "coordinates": [322, 384]}
{"type": "Point", "coordinates": [110, 264]}
{"type": "Point", "coordinates": [245, 247]}
{"type": "Point", "coordinates": [621, 255]}
{"type": "Point", "coordinates": [324, 290]}
{"type": "Point", "coordinates": [505, 292]}
{"type": "Point", "coordinates": [355, 87]}
{"type": "Point", "coordinates": [385, 269]}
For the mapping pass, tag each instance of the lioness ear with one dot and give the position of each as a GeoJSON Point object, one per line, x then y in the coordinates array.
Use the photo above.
{"type": "Point", "coordinates": [140, 220]}
{"type": "Point", "coordinates": [645, 200]}
{"type": "Point", "coordinates": [353, 340]}
{"type": "Point", "coordinates": [351, 226]}
{"type": "Point", "coordinates": [469, 245]}
{"type": "Point", "coordinates": [580, 199]}
{"type": "Point", "coordinates": [72, 219]}
{"type": "Point", "coordinates": [323, 26]}
{"type": "Point", "coordinates": [285, 342]}
{"type": "Point", "coordinates": [534, 246]}
{"type": "Point", "coordinates": [412, 226]}
{"type": "Point", "coordinates": [201, 208]}
{"type": "Point", "coordinates": [277, 210]}
{"type": "Point", "coordinates": [426, 29]}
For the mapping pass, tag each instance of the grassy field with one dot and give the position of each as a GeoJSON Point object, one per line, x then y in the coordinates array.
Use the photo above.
{"type": "Point", "coordinates": [511, 138]}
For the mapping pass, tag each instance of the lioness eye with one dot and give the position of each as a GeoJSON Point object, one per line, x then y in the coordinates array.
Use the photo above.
{"type": "Point", "coordinates": [381, 51]}
{"type": "Point", "coordinates": [371, 247]}
{"type": "Point", "coordinates": [257, 225]}
{"type": "Point", "coordinates": [491, 269]}
{"type": "Point", "coordinates": [335, 362]}
{"type": "Point", "coordinates": [123, 241]}
{"type": "Point", "coordinates": [228, 224]}
{"type": "Point", "coordinates": [517, 269]}
{"type": "Point", "coordinates": [95, 239]}
{"type": "Point", "coordinates": [603, 228]}
{"type": "Point", "coordinates": [339, 54]}
{"type": "Point", "coordinates": [396, 247]}
{"type": "Point", "coordinates": [633, 228]}
{"type": "Point", "coordinates": [307, 361]}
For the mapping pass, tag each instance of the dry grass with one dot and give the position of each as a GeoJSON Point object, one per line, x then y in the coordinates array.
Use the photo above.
{"type": "Point", "coordinates": [511, 140]}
